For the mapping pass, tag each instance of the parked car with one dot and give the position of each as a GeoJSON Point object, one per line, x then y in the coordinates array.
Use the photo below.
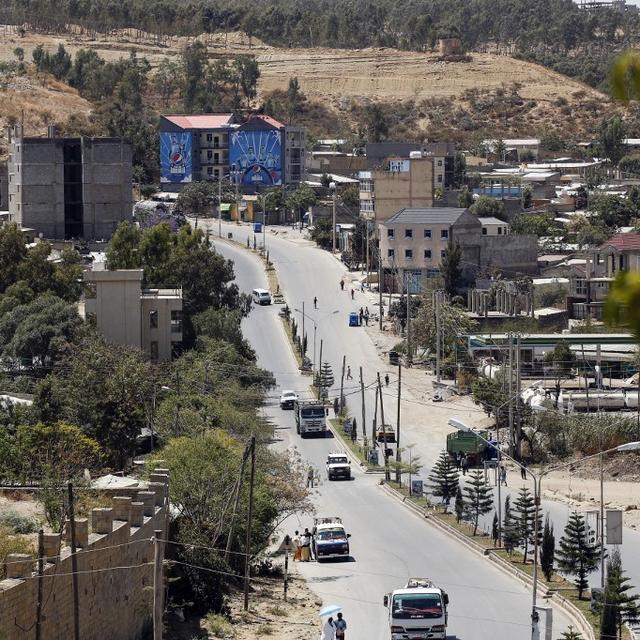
{"type": "Point", "coordinates": [288, 399]}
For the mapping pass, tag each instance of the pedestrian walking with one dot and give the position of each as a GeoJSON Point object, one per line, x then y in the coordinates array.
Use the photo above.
{"type": "Point", "coordinates": [297, 549]}
{"type": "Point", "coordinates": [458, 460]}
{"type": "Point", "coordinates": [362, 287]}
{"type": "Point", "coordinates": [352, 292]}
{"type": "Point", "coordinates": [310, 478]}
{"type": "Point", "coordinates": [342, 285]}
{"type": "Point", "coordinates": [366, 316]}
{"type": "Point", "coordinates": [315, 302]}
{"type": "Point", "coordinates": [305, 546]}
{"type": "Point", "coordinates": [361, 315]}
{"type": "Point", "coordinates": [341, 627]}
{"type": "Point", "coordinates": [386, 379]}
{"type": "Point", "coordinates": [503, 475]}
{"type": "Point", "coordinates": [349, 376]}
{"type": "Point", "coordinates": [523, 469]}
{"type": "Point", "coordinates": [464, 463]}
{"type": "Point", "coordinates": [328, 631]}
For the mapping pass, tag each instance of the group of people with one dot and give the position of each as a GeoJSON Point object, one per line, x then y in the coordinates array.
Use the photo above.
{"type": "Point", "coordinates": [364, 314]}
{"type": "Point", "coordinates": [462, 462]}
{"type": "Point", "coordinates": [334, 629]}
{"type": "Point", "coordinates": [302, 546]}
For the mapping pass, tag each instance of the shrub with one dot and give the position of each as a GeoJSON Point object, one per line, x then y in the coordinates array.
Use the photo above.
{"type": "Point", "coordinates": [17, 523]}
{"type": "Point", "coordinates": [219, 626]}
{"type": "Point", "coordinates": [12, 544]}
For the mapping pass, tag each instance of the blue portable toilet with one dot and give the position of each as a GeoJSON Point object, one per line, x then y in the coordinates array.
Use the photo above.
{"type": "Point", "coordinates": [257, 227]}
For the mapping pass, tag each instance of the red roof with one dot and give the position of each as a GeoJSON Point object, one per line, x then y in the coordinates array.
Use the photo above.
{"type": "Point", "coordinates": [268, 119]}
{"type": "Point", "coordinates": [204, 121]}
{"type": "Point", "coordinates": [623, 242]}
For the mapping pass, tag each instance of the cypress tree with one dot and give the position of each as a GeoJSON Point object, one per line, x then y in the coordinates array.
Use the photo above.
{"type": "Point", "coordinates": [547, 550]}
{"type": "Point", "coordinates": [525, 512]}
{"type": "Point", "coordinates": [478, 498]}
{"type": "Point", "coordinates": [495, 529]}
{"type": "Point", "coordinates": [444, 478]}
{"type": "Point", "coordinates": [576, 555]}
{"type": "Point", "coordinates": [618, 606]}
{"type": "Point", "coordinates": [459, 504]}
{"type": "Point", "coordinates": [571, 634]}
{"type": "Point", "coordinates": [510, 535]}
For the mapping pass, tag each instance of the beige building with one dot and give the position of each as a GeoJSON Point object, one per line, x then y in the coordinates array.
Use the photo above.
{"type": "Point", "coordinates": [127, 314]}
{"type": "Point", "coordinates": [494, 227]}
{"type": "Point", "coordinates": [402, 183]}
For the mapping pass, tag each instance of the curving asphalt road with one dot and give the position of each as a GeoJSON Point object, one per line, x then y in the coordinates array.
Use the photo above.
{"type": "Point", "coordinates": [389, 543]}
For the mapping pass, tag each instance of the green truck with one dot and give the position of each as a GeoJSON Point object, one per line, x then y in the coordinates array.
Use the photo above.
{"type": "Point", "coordinates": [468, 443]}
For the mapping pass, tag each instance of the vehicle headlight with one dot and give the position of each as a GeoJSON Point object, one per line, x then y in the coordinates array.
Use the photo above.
{"type": "Point", "coordinates": [397, 629]}
{"type": "Point", "coordinates": [438, 628]}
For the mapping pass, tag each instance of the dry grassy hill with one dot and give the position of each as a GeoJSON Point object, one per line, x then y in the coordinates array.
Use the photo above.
{"type": "Point", "coordinates": [443, 95]}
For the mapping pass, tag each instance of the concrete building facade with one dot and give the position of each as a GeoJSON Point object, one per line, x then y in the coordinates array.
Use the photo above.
{"type": "Point", "coordinates": [402, 183]}
{"type": "Point", "coordinates": [127, 314]}
{"type": "Point", "coordinates": [65, 188]}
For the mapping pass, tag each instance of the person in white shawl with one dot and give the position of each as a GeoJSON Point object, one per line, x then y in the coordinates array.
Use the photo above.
{"type": "Point", "coordinates": [328, 631]}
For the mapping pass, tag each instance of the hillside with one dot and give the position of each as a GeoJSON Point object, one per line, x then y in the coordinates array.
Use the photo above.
{"type": "Point", "coordinates": [495, 93]}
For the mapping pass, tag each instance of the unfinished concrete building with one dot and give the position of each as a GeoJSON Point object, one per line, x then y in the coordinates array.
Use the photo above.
{"type": "Point", "coordinates": [66, 188]}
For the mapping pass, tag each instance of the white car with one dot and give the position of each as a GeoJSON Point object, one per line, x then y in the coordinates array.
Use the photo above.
{"type": "Point", "coordinates": [288, 399]}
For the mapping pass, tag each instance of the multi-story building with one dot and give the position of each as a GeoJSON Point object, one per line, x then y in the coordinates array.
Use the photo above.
{"type": "Point", "coordinates": [65, 188]}
{"type": "Point", "coordinates": [256, 154]}
{"type": "Point", "coordinates": [127, 314]}
{"type": "Point", "coordinates": [413, 242]}
{"type": "Point", "coordinates": [401, 183]}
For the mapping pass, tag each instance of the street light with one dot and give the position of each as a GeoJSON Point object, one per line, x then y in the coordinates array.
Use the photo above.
{"type": "Point", "coordinates": [315, 328]}
{"type": "Point", "coordinates": [232, 174]}
{"type": "Point", "coordinates": [537, 482]}
{"type": "Point", "coordinates": [332, 186]}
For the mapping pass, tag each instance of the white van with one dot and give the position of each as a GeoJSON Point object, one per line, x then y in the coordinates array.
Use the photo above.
{"type": "Point", "coordinates": [261, 296]}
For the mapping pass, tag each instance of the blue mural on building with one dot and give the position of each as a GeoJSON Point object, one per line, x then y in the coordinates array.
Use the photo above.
{"type": "Point", "coordinates": [176, 164]}
{"type": "Point", "coordinates": [256, 157]}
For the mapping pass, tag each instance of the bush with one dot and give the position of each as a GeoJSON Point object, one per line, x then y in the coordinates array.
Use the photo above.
{"type": "Point", "coordinates": [17, 523]}
{"type": "Point", "coordinates": [219, 626]}
{"type": "Point", "coordinates": [12, 544]}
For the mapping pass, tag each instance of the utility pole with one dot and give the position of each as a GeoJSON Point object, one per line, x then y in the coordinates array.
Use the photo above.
{"type": "Point", "coordinates": [408, 319]}
{"type": "Point", "coordinates": [247, 549]}
{"type": "Point", "coordinates": [367, 252]}
{"type": "Point", "coordinates": [158, 586]}
{"type": "Point", "coordinates": [302, 338]}
{"type": "Point", "coordinates": [320, 372]}
{"type": "Point", "coordinates": [364, 423]}
{"type": "Point", "coordinates": [40, 585]}
{"type": "Point", "coordinates": [374, 424]}
{"type": "Point", "coordinates": [237, 489]}
{"type": "Point", "coordinates": [74, 564]}
{"type": "Point", "coordinates": [436, 306]}
{"type": "Point", "coordinates": [387, 474]}
{"type": "Point", "coordinates": [381, 314]}
{"type": "Point", "coordinates": [517, 394]}
{"type": "Point", "coordinates": [220, 207]}
{"type": "Point", "coordinates": [341, 404]}
{"type": "Point", "coordinates": [398, 457]}
{"type": "Point", "coordinates": [332, 186]}
{"type": "Point", "coordinates": [511, 432]}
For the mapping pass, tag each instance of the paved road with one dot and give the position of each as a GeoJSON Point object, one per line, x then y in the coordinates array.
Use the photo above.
{"type": "Point", "coordinates": [389, 543]}
{"type": "Point", "coordinates": [304, 272]}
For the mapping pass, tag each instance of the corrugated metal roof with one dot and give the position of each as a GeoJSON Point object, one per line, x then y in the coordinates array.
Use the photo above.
{"type": "Point", "coordinates": [268, 119]}
{"type": "Point", "coordinates": [437, 215]}
{"type": "Point", "coordinates": [204, 121]}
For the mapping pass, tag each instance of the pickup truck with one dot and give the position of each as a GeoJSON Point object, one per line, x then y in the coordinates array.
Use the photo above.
{"type": "Point", "coordinates": [338, 466]}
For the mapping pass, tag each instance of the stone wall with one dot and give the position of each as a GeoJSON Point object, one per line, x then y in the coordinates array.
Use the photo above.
{"type": "Point", "coordinates": [115, 573]}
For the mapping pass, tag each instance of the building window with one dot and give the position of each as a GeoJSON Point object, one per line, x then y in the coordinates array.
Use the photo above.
{"type": "Point", "coordinates": [390, 233]}
{"type": "Point", "coordinates": [216, 158]}
{"type": "Point", "coordinates": [499, 231]}
{"type": "Point", "coordinates": [484, 231]}
{"type": "Point", "coordinates": [408, 233]}
{"type": "Point", "coordinates": [216, 173]}
{"type": "Point", "coordinates": [439, 163]}
{"type": "Point", "coordinates": [427, 234]}
{"type": "Point", "coordinates": [439, 177]}
{"type": "Point", "coordinates": [209, 171]}
{"type": "Point", "coordinates": [366, 185]}
{"type": "Point", "coordinates": [176, 321]}
{"type": "Point", "coordinates": [366, 206]}
{"type": "Point", "coordinates": [427, 254]}
{"type": "Point", "coordinates": [391, 253]}
{"type": "Point", "coordinates": [442, 252]}
{"type": "Point", "coordinates": [153, 319]}
{"type": "Point", "coordinates": [209, 137]}
{"type": "Point", "coordinates": [408, 254]}
{"type": "Point", "coordinates": [216, 142]}
{"type": "Point", "coordinates": [153, 350]}
{"type": "Point", "coordinates": [581, 287]}
{"type": "Point", "coordinates": [444, 234]}
{"type": "Point", "coordinates": [209, 155]}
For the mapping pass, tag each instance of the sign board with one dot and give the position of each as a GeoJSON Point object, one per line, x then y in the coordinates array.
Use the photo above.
{"type": "Point", "coordinates": [399, 166]}
{"type": "Point", "coordinates": [614, 526]}
{"type": "Point", "coordinates": [176, 160]}
{"type": "Point", "coordinates": [255, 157]}
{"type": "Point", "coordinates": [416, 487]}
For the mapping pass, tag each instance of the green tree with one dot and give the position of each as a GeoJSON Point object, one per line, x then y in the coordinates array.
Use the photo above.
{"type": "Point", "coordinates": [525, 514]}
{"type": "Point", "coordinates": [12, 252]}
{"type": "Point", "coordinates": [560, 361]}
{"type": "Point", "coordinates": [510, 529]}
{"type": "Point", "coordinates": [375, 123]}
{"type": "Point", "coordinates": [450, 267]}
{"type": "Point", "coordinates": [613, 211]}
{"type": "Point", "coordinates": [487, 207]}
{"type": "Point", "coordinates": [459, 169]}
{"type": "Point", "coordinates": [571, 634]}
{"type": "Point", "coordinates": [444, 478]}
{"type": "Point", "coordinates": [577, 556]}
{"type": "Point", "coordinates": [248, 73]}
{"type": "Point", "coordinates": [459, 505]}
{"type": "Point", "coordinates": [194, 64]}
{"type": "Point", "coordinates": [618, 605]}
{"type": "Point", "coordinates": [611, 139]}
{"type": "Point", "coordinates": [122, 252]}
{"type": "Point", "coordinates": [321, 232]}
{"type": "Point", "coordinates": [478, 498]}
{"type": "Point", "coordinates": [197, 198]}
{"type": "Point", "coordinates": [547, 550]}
{"type": "Point", "coordinates": [495, 529]}
{"type": "Point", "coordinates": [166, 80]}
{"type": "Point", "coordinates": [465, 198]}
{"type": "Point", "coordinates": [534, 224]}
{"type": "Point", "coordinates": [294, 99]}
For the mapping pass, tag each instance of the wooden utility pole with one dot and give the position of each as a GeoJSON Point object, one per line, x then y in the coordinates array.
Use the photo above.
{"type": "Point", "coordinates": [387, 475]}
{"type": "Point", "coordinates": [380, 289]}
{"type": "Point", "coordinates": [237, 489]}
{"type": "Point", "coordinates": [74, 564]}
{"type": "Point", "coordinates": [398, 456]}
{"type": "Point", "coordinates": [408, 319]}
{"type": "Point", "coordinates": [436, 306]}
{"type": "Point", "coordinates": [247, 550]}
{"type": "Point", "coordinates": [320, 372]}
{"type": "Point", "coordinates": [158, 584]}
{"type": "Point", "coordinates": [510, 392]}
{"type": "Point", "coordinates": [364, 423]}
{"type": "Point", "coordinates": [374, 424]}
{"type": "Point", "coordinates": [341, 404]}
{"type": "Point", "coordinates": [40, 585]}
{"type": "Point", "coordinates": [517, 398]}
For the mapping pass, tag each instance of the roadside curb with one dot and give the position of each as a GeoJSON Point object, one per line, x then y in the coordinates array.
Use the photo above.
{"type": "Point", "coordinates": [577, 618]}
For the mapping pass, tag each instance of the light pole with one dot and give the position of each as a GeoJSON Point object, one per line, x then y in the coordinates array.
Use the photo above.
{"type": "Point", "coordinates": [231, 174]}
{"type": "Point", "coordinates": [315, 328]}
{"type": "Point", "coordinates": [332, 186]}
{"type": "Point", "coordinates": [537, 489]}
